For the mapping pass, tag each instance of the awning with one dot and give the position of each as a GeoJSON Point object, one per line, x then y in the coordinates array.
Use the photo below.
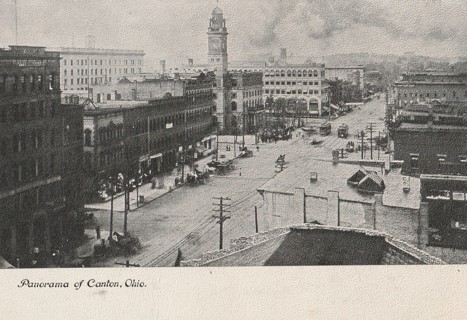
{"type": "Point", "coordinates": [200, 149]}
{"type": "Point", "coordinates": [144, 158]}
{"type": "Point", "coordinates": [158, 155]}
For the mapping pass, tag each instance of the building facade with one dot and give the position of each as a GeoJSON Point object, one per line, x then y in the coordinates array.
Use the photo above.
{"type": "Point", "coordinates": [145, 139]}
{"type": "Point", "coordinates": [82, 67]}
{"type": "Point", "coordinates": [237, 94]}
{"type": "Point", "coordinates": [41, 152]}
{"type": "Point", "coordinates": [432, 139]}
{"type": "Point", "coordinates": [305, 82]}
{"type": "Point", "coordinates": [353, 74]}
{"type": "Point", "coordinates": [424, 87]}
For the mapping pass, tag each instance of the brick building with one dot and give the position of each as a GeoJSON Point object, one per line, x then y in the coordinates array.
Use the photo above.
{"type": "Point", "coordinates": [420, 87]}
{"type": "Point", "coordinates": [148, 138]}
{"type": "Point", "coordinates": [237, 94]}
{"type": "Point", "coordinates": [446, 197]}
{"type": "Point", "coordinates": [432, 139]}
{"type": "Point", "coordinates": [41, 152]}
{"type": "Point", "coordinates": [310, 245]}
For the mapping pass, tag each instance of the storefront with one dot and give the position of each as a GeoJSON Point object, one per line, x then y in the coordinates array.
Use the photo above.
{"type": "Point", "coordinates": [447, 209]}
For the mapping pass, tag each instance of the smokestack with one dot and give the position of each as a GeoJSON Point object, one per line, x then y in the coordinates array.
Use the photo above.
{"type": "Point", "coordinates": [283, 53]}
{"type": "Point", "coordinates": [190, 62]}
{"type": "Point", "coordinates": [162, 63]}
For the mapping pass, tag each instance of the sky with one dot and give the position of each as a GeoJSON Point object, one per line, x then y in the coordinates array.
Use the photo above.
{"type": "Point", "coordinates": [175, 30]}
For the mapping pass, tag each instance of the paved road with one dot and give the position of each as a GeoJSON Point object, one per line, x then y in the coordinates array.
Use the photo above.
{"type": "Point", "coordinates": [184, 218]}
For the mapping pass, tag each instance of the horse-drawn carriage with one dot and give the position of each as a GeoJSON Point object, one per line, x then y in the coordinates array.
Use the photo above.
{"type": "Point", "coordinates": [220, 167]}
{"type": "Point", "coordinates": [245, 153]}
{"type": "Point", "coordinates": [197, 177]}
{"type": "Point", "coordinates": [127, 242]}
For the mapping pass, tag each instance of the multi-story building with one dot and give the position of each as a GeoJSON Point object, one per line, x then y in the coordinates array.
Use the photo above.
{"type": "Point", "coordinates": [40, 155]}
{"type": "Point", "coordinates": [353, 74]}
{"type": "Point", "coordinates": [305, 81]}
{"type": "Point", "coordinates": [237, 94]}
{"type": "Point", "coordinates": [246, 90]}
{"type": "Point", "coordinates": [424, 87]}
{"type": "Point", "coordinates": [142, 88]}
{"type": "Point", "coordinates": [432, 139]}
{"type": "Point", "coordinates": [148, 138]}
{"type": "Point", "coordinates": [82, 67]}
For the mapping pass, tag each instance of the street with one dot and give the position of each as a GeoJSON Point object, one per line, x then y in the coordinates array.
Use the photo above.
{"type": "Point", "coordinates": [183, 219]}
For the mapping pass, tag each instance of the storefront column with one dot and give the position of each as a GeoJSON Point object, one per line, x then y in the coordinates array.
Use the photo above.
{"type": "Point", "coordinates": [13, 244]}
{"type": "Point", "coordinates": [48, 245]}
{"type": "Point", "coordinates": [31, 236]}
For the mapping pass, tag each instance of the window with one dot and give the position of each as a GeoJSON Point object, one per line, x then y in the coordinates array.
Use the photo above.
{"type": "Point", "coordinates": [52, 163]}
{"type": "Point", "coordinates": [52, 137]}
{"type": "Point", "coordinates": [441, 160]}
{"type": "Point", "coordinates": [414, 161]}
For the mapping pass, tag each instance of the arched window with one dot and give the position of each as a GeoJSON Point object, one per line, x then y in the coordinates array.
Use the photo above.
{"type": "Point", "coordinates": [315, 73]}
{"type": "Point", "coordinates": [233, 106]}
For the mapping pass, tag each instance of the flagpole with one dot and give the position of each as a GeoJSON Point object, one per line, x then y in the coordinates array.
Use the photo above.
{"type": "Point", "coordinates": [16, 23]}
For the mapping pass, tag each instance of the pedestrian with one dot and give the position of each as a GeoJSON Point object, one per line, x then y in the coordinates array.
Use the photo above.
{"type": "Point", "coordinates": [98, 232]}
{"type": "Point", "coordinates": [257, 148]}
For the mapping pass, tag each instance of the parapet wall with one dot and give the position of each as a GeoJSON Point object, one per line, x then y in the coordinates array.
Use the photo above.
{"type": "Point", "coordinates": [235, 246]}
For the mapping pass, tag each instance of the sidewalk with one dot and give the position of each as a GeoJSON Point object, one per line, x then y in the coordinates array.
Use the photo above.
{"type": "Point", "coordinates": [151, 194]}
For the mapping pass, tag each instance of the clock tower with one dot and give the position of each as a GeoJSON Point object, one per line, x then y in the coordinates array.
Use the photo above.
{"type": "Point", "coordinates": [217, 42]}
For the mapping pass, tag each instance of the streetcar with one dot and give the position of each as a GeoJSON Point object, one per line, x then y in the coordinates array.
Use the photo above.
{"type": "Point", "coordinates": [325, 129]}
{"type": "Point", "coordinates": [343, 131]}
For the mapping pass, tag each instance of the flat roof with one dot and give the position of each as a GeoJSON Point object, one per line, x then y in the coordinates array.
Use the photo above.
{"type": "Point", "coordinates": [96, 51]}
{"type": "Point", "coordinates": [406, 126]}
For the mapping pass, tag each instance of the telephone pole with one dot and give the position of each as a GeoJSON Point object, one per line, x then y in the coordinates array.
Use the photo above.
{"type": "Point", "coordinates": [221, 208]}
{"type": "Point", "coordinates": [371, 140]}
{"type": "Point", "coordinates": [111, 209]}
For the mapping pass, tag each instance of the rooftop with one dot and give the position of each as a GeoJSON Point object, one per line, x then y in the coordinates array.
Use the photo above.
{"type": "Point", "coordinates": [406, 126]}
{"type": "Point", "coordinates": [96, 51]}
{"type": "Point", "coordinates": [333, 176]}
{"type": "Point", "coordinates": [309, 244]}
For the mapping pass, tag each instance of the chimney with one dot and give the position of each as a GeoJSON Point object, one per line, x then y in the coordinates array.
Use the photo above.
{"type": "Point", "coordinates": [283, 53]}
{"type": "Point", "coordinates": [162, 63]}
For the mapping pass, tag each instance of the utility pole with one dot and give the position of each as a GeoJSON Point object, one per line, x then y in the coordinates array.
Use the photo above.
{"type": "Point", "coordinates": [221, 218]}
{"type": "Point", "coordinates": [362, 135]}
{"type": "Point", "coordinates": [235, 144]}
{"type": "Point", "coordinates": [379, 139]}
{"type": "Point", "coordinates": [184, 147]}
{"type": "Point", "coordinates": [243, 143]}
{"type": "Point", "coordinates": [127, 201]}
{"type": "Point", "coordinates": [371, 140]}
{"type": "Point", "coordinates": [256, 219]}
{"type": "Point", "coordinates": [111, 209]}
{"type": "Point", "coordinates": [217, 141]}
